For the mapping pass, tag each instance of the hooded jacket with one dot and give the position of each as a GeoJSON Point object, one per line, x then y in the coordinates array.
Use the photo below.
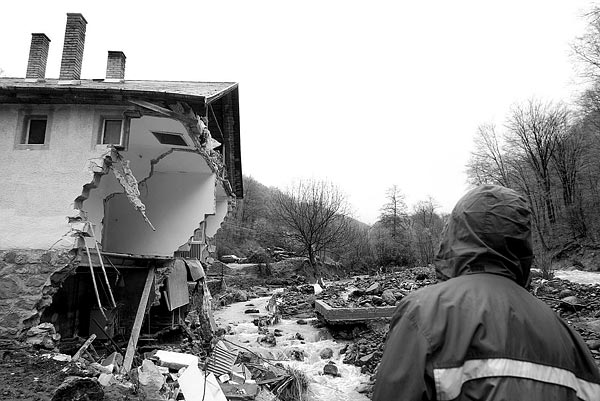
{"type": "Point", "coordinates": [480, 335]}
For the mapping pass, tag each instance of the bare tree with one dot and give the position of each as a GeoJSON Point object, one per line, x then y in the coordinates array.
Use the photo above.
{"type": "Point", "coordinates": [587, 47]}
{"type": "Point", "coordinates": [534, 130]}
{"type": "Point", "coordinates": [394, 211]}
{"type": "Point", "coordinates": [487, 164]}
{"type": "Point", "coordinates": [427, 229]}
{"type": "Point", "coordinates": [315, 213]}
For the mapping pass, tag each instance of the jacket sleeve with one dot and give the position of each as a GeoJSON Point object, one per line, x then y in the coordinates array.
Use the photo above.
{"type": "Point", "coordinates": [402, 372]}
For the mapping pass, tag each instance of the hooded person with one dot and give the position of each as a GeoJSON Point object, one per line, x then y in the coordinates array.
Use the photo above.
{"type": "Point", "coordinates": [480, 335]}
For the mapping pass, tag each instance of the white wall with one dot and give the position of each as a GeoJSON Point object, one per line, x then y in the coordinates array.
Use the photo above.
{"type": "Point", "coordinates": [39, 187]}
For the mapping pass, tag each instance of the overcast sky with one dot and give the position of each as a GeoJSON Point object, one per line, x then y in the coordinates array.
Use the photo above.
{"type": "Point", "coordinates": [364, 94]}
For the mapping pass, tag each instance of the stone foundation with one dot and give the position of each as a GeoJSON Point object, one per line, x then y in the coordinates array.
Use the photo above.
{"type": "Point", "coordinates": [28, 280]}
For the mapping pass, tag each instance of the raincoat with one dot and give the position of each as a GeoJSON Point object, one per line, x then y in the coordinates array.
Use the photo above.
{"type": "Point", "coordinates": [480, 335]}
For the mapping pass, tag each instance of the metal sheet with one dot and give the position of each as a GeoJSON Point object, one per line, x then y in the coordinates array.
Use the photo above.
{"type": "Point", "coordinates": [177, 287]}
{"type": "Point", "coordinates": [222, 359]}
{"type": "Point", "coordinates": [196, 269]}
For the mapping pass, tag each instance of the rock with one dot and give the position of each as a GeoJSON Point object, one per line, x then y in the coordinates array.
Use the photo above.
{"type": "Point", "coordinates": [571, 303]}
{"type": "Point", "coordinates": [421, 276]}
{"type": "Point", "coordinates": [76, 388]}
{"type": "Point", "coordinates": [593, 344]}
{"type": "Point", "coordinates": [268, 339]}
{"type": "Point", "coordinates": [150, 379]}
{"type": "Point", "coordinates": [373, 288]}
{"type": "Point", "coordinates": [43, 335]}
{"type": "Point", "coordinates": [364, 388]}
{"type": "Point", "coordinates": [251, 311]}
{"type": "Point", "coordinates": [566, 293]}
{"type": "Point", "coordinates": [106, 379]}
{"type": "Point", "coordinates": [301, 321]}
{"type": "Point", "coordinates": [388, 297]}
{"type": "Point", "coordinates": [299, 336]}
{"type": "Point", "coordinates": [295, 353]}
{"type": "Point", "coordinates": [377, 301]}
{"type": "Point", "coordinates": [367, 358]}
{"type": "Point", "coordinates": [326, 353]}
{"type": "Point", "coordinates": [330, 369]}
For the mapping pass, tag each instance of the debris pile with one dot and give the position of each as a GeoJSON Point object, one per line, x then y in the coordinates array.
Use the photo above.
{"type": "Point", "coordinates": [297, 301]}
{"type": "Point", "coordinates": [381, 290]}
{"type": "Point", "coordinates": [578, 304]}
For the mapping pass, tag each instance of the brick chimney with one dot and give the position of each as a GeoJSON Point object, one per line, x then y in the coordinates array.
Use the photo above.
{"type": "Point", "coordinates": [72, 56]}
{"type": "Point", "coordinates": [115, 66]}
{"type": "Point", "coordinates": [38, 56]}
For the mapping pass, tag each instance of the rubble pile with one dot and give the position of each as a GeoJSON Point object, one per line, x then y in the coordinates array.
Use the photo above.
{"type": "Point", "coordinates": [380, 290]}
{"type": "Point", "coordinates": [366, 351]}
{"type": "Point", "coordinates": [577, 303]}
{"type": "Point", "coordinates": [297, 302]}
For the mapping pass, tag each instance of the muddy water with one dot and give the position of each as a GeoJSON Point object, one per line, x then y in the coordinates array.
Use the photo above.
{"type": "Point", "coordinates": [321, 387]}
{"type": "Point", "coordinates": [578, 276]}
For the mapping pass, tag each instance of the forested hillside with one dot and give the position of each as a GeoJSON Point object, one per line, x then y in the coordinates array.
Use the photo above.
{"type": "Point", "coordinates": [550, 152]}
{"type": "Point", "coordinates": [314, 220]}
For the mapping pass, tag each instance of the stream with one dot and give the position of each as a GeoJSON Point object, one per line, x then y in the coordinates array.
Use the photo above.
{"type": "Point", "coordinates": [321, 387]}
{"type": "Point", "coordinates": [578, 276]}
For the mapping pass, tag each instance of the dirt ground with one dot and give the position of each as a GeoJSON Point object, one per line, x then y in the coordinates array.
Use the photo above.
{"type": "Point", "coordinates": [28, 376]}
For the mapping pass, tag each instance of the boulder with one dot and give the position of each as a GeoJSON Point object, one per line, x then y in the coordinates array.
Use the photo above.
{"type": "Point", "coordinates": [571, 303]}
{"type": "Point", "coordinates": [76, 388]}
{"type": "Point", "coordinates": [593, 344]}
{"type": "Point", "coordinates": [251, 311]}
{"type": "Point", "coordinates": [326, 353]}
{"type": "Point", "coordinates": [295, 353]}
{"type": "Point", "coordinates": [330, 369]}
{"type": "Point", "coordinates": [373, 288]}
{"type": "Point", "coordinates": [268, 339]}
{"type": "Point", "coordinates": [150, 379]}
{"type": "Point", "coordinates": [388, 297]}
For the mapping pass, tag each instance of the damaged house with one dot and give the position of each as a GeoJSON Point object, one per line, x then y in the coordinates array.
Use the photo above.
{"type": "Point", "coordinates": [111, 192]}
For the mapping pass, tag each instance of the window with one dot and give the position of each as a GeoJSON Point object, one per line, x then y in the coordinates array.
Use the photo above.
{"type": "Point", "coordinates": [170, 138]}
{"type": "Point", "coordinates": [34, 128]}
{"type": "Point", "coordinates": [36, 131]}
{"type": "Point", "coordinates": [112, 132]}
{"type": "Point", "coordinates": [111, 127]}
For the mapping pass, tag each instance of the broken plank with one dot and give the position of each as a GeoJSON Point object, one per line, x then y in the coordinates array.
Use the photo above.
{"type": "Point", "coordinates": [83, 348]}
{"type": "Point", "coordinates": [137, 324]}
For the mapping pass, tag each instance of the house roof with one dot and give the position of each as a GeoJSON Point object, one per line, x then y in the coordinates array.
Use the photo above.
{"type": "Point", "coordinates": [97, 91]}
{"type": "Point", "coordinates": [208, 91]}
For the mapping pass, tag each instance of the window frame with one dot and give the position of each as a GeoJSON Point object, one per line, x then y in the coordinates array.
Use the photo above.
{"type": "Point", "coordinates": [179, 134]}
{"type": "Point", "coordinates": [125, 127]}
{"type": "Point", "coordinates": [23, 125]}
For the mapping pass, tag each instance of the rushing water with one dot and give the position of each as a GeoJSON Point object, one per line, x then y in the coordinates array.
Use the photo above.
{"type": "Point", "coordinates": [578, 276]}
{"type": "Point", "coordinates": [321, 387]}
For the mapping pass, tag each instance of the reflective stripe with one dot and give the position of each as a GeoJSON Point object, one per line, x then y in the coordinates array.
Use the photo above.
{"type": "Point", "coordinates": [448, 382]}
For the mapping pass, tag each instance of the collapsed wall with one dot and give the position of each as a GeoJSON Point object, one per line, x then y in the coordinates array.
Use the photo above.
{"type": "Point", "coordinates": [29, 279]}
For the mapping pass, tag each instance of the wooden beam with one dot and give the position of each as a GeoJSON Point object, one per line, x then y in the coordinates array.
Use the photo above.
{"type": "Point", "coordinates": [137, 324]}
{"type": "Point", "coordinates": [83, 348]}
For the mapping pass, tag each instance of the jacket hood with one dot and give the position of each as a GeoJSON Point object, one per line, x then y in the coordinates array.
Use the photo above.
{"type": "Point", "coordinates": [489, 231]}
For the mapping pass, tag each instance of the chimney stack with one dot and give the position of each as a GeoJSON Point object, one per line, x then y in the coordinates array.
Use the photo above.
{"type": "Point", "coordinates": [72, 56]}
{"type": "Point", "coordinates": [115, 66]}
{"type": "Point", "coordinates": [38, 56]}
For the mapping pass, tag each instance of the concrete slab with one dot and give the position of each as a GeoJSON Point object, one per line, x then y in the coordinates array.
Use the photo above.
{"type": "Point", "coordinates": [352, 315]}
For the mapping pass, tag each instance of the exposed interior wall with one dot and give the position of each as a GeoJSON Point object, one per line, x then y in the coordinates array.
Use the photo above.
{"type": "Point", "coordinates": [213, 222]}
{"type": "Point", "coordinates": [175, 203]}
